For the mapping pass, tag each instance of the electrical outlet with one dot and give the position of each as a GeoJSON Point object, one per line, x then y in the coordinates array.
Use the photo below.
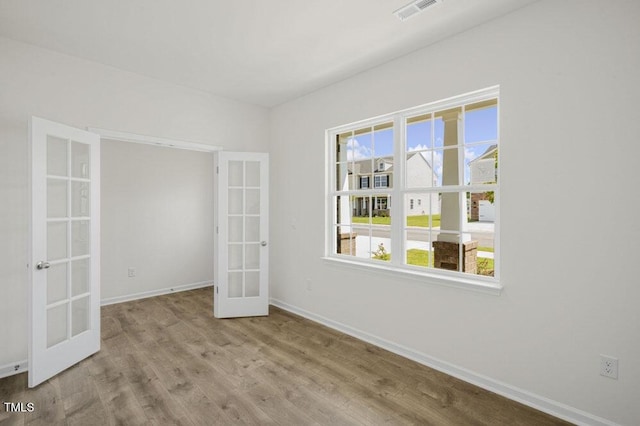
{"type": "Point", "coordinates": [608, 366]}
{"type": "Point", "coordinates": [131, 272]}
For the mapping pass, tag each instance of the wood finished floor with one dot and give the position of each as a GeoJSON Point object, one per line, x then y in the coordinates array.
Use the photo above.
{"type": "Point", "coordinates": [167, 360]}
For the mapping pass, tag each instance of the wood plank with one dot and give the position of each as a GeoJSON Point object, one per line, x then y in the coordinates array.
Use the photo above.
{"type": "Point", "coordinates": [12, 389]}
{"type": "Point", "coordinates": [113, 387]}
{"type": "Point", "coordinates": [167, 360]}
{"type": "Point", "coordinates": [159, 406]}
{"type": "Point", "coordinates": [48, 407]}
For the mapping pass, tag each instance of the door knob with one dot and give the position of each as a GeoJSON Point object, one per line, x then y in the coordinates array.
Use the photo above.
{"type": "Point", "coordinates": [263, 244]}
{"type": "Point", "coordinates": [43, 265]}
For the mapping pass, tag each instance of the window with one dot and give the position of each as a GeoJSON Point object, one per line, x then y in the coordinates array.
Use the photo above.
{"type": "Point", "coordinates": [444, 156]}
{"type": "Point", "coordinates": [381, 181]}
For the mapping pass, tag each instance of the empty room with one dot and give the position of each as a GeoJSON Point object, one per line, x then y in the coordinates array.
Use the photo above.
{"type": "Point", "coordinates": [362, 212]}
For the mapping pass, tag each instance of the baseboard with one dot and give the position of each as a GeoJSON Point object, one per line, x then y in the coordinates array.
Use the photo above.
{"type": "Point", "coordinates": [538, 402]}
{"type": "Point", "coordinates": [13, 368]}
{"type": "Point", "coordinates": [152, 293]}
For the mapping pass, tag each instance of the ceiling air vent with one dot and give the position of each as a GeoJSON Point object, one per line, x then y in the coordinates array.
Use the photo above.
{"type": "Point", "coordinates": [413, 8]}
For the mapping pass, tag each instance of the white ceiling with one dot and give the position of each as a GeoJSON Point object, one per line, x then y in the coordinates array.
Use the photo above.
{"type": "Point", "coordinates": [263, 52]}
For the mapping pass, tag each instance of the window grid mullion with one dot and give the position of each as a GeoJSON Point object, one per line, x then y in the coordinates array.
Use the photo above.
{"type": "Point", "coordinates": [397, 200]}
{"type": "Point", "coordinates": [462, 196]}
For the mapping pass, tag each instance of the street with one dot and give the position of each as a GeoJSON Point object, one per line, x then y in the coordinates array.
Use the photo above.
{"type": "Point", "coordinates": [481, 232]}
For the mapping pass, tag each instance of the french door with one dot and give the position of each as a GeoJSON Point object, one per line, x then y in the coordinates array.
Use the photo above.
{"type": "Point", "coordinates": [242, 230]}
{"type": "Point", "coordinates": [64, 293]}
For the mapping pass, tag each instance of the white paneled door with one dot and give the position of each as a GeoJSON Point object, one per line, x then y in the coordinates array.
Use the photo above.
{"type": "Point", "coordinates": [64, 269]}
{"type": "Point", "coordinates": [242, 235]}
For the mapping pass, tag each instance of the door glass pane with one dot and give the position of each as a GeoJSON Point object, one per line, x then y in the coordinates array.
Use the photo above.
{"type": "Point", "coordinates": [253, 173]}
{"type": "Point", "coordinates": [57, 324]}
{"type": "Point", "coordinates": [235, 256]}
{"type": "Point", "coordinates": [235, 229]}
{"type": "Point", "coordinates": [252, 284]}
{"type": "Point", "coordinates": [235, 284]}
{"type": "Point", "coordinates": [79, 199]}
{"type": "Point", "coordinates": [56, 198]}
{"type": "Point", "coordinates": [253, 201]}
{"type": "Point", "coordinates": [235, 173]}
{"type": "Point", "coordinates": [79, 316]}
{"type": "Point", "coordinates": [235, 201]}
{"type": "Point", "coordinates": [56, 283]}
{"type": "Point", "coordinates": [252, 229]}
{"type": "Point", "coordinates": [80, 237]}
{"type": "Point", "coordinates": [56, 156]}
{"type": "Point", "coordinates": [56, 240]}
{"type": "Point", "coordinates": [80, 160]}
{"type": "Point", "coordinates": [80, 276]}
{"type": "Point", "coordinates": [252, 256]}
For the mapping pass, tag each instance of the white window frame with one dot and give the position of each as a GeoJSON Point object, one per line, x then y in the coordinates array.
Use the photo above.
{"type": "Point", "coordinates": [362, 178]}
{"type": "Point", "coordinates": [378, 181]}
{"type": "Point", "coordinates": [396, 266]}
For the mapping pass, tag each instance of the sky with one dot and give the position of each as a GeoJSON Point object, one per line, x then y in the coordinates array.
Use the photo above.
{"type": "Point", "coordinates": [479, 125]}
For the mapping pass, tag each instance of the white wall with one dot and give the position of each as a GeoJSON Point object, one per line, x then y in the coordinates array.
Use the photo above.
{"type": "Point", "coordinates": [157, 216]}
{"type": "Point", "coordinates": [38, 82]}
{"type": "Point", "coordinates": [568, 73]}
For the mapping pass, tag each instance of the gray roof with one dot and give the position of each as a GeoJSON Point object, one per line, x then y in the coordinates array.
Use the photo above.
{"type": "Point", "coordinates": [485, 155]}
{"type": "Point", "coordinates": [365, 166]}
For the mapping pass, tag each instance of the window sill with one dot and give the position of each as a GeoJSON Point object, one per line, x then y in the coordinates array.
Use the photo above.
{"type": "Point", "coordinates": [424, 277]}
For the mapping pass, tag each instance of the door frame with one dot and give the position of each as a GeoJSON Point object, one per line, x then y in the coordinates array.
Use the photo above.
{"type": "Point", "coordinates": [103, 134]}
{"type": "Point", "coordinates": [153, 140]}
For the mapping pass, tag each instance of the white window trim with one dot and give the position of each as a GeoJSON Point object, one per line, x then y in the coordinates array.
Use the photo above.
{"type": "Point", "coordinates": [362, 178]}
{"type": "Point", "coordinates": [395, 267]}
{"type": "Point", "coordinates": [377, 181]}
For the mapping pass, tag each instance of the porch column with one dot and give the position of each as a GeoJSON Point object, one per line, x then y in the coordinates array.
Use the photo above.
{"type": "Point", "coordinates": [346, 238]}
{"type": "Point", "coordinates": [450, 207]}
{"type": "Point", "coordinates": [447, 250]}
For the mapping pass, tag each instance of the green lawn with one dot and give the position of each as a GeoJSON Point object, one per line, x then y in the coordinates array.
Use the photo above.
{"type": "Point", "coordinates": [418, 257]}
{"type": "Point", "coordinates": [421, 220]}
{"type": "Point", "coordinates": [421, 258]}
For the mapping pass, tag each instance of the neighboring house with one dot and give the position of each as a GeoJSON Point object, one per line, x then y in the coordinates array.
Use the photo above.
{"type": "Point", "coordinates": [378, 174]}
{"type": "Point", "coordinates": [483, 169]}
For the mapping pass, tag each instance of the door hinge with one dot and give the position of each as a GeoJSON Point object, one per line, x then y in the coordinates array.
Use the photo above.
{"type": "Point", "coordinates": [217, 289]}
{"type": "Point", "coordinates": [217, 230]}
{"type": "Point", "coordinates": [217, 170]}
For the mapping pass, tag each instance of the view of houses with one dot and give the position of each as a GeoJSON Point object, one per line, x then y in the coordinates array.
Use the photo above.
{"type": "Point", "coordinates": [378, 174]}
